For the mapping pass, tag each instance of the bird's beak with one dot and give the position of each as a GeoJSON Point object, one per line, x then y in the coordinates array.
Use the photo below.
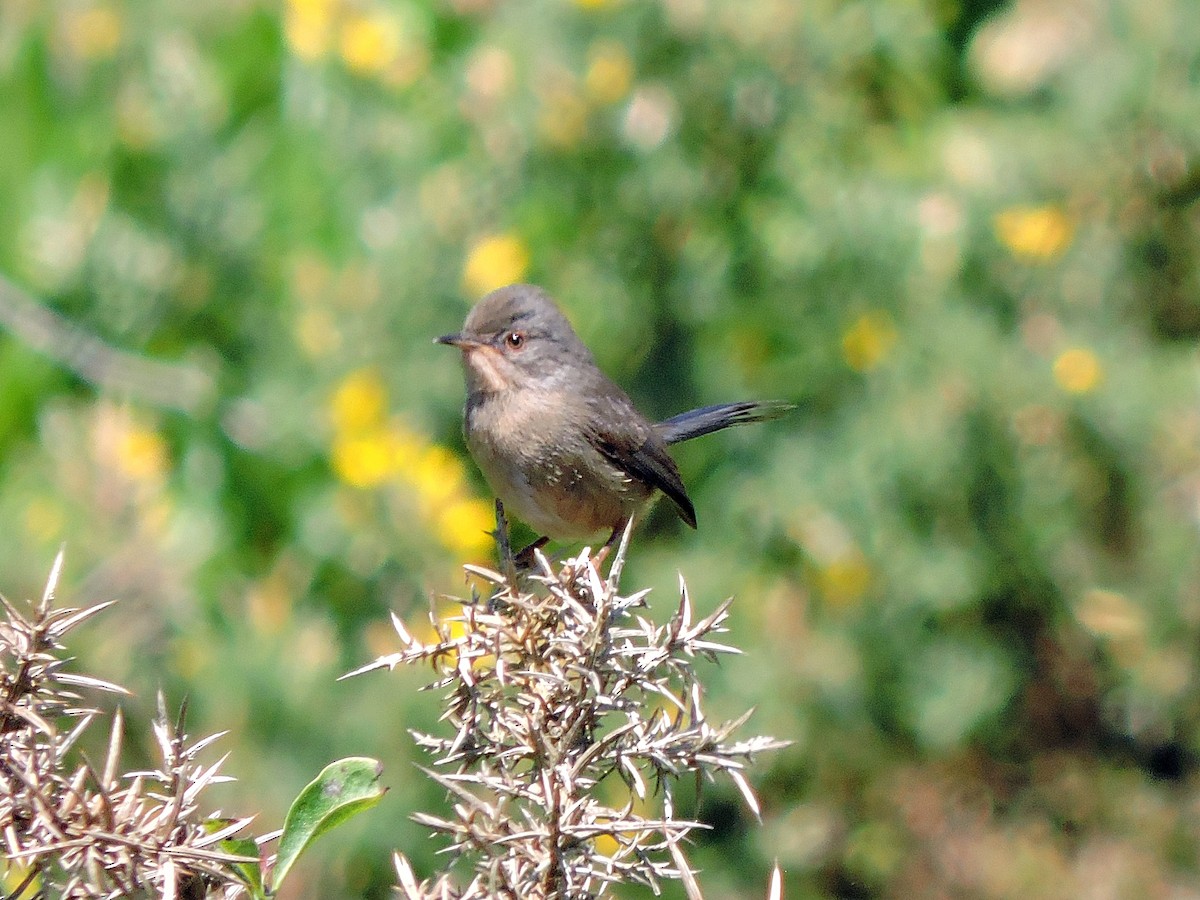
{"type": "Point", "coordinates": [484, 364]}
{"type": "Point", "coordinates": [458, 340]}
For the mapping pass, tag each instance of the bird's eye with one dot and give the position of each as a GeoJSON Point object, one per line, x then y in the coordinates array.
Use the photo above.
{"type": "Point", "coordinates": [515, 340]}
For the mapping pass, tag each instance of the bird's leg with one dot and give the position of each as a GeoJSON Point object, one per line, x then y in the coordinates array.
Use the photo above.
{"type": "Point", "coordinates": [501, 533]}
{"type": "Point", "coordinates": [507, 563]}
{"type": "Point", "coordinates": [602, 553]}
{"type": "Point", "coordinates": [523, 560]}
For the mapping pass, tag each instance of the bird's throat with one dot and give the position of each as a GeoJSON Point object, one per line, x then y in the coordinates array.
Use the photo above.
{"type": "Point", "coordinates": [486, 370]}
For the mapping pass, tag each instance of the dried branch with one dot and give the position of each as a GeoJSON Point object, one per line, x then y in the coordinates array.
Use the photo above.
{"type": "Point", "coordinates": [559, 689]}
{"type": "Point", "coordinates": [171, 385]}
{"type": "Point", "coordinates": [87, 833]}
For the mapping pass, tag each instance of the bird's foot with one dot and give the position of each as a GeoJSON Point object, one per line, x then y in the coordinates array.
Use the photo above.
{"type": "Point", "coordinates": [525, 560]}
{"type": "Point", "coordinates": [603, 552]}
{"type": "Point", "coordinates": [600, 556]}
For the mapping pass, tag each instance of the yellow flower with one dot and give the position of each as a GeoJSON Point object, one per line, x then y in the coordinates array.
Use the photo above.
{"type": "Point", "coordinates": [449, 619]}
{"type": "Point", "coordinates": [493, 262]}
{"type": "Point", "coordinates": [142, 454]}
{"type": "Point", "coordinates": [618, 795]}
{"type": "Point", "coordinates": [465, 525]}
{"type": "Point", "coordinates": [610, 72]}
{"type": "Point", "coordinates": [437, 475]}
{"type": "Point", "coordinates": [595, 4]}
{"type": "Point", "coordinates": [370, 43]}
{"type": "Point", "coordinates": [13, 875]}
{"type": "Point", "coordinates": [308, 27]}
{"type": "Point", "coordinates": [360, 401]}
{"type": "Point", "coordinates": [370, 452]}
{"type": "Point", "coordinates": [1034, 233]}
{"type": "Point", "coordinates": [1078, 370]}
{"type": "Point", "coordinates": [868, 341]}
{"type": "Point", "coordinates": [362, 462]}
{"type": "Point", "coordinates": [405, 448]}
{"type": "Point", "coordinates": [607, 845]}
{"type": "Point", "coordinates": [93, 33]}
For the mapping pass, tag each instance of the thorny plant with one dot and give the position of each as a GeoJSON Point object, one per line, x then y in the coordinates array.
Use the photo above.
{"type": "Point", "coordinates": [71, 830]}
{"type": "Point", "coordinates": [557, 686]}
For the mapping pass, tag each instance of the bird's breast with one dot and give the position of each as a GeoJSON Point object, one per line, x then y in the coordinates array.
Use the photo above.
{"type": "Point", "coordinates": [533, 449]}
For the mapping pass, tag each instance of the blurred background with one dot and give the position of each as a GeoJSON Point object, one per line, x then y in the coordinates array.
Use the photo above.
{"type": "Point", "coordinates": [963, 235]}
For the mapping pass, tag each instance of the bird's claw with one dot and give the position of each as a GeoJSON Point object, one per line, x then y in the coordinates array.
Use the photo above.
{"type": "Point", "coordinates": [525, 560]}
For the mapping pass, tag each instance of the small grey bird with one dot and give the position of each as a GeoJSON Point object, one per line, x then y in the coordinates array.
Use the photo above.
{"type": "Point", "coordinates": [557, 440]}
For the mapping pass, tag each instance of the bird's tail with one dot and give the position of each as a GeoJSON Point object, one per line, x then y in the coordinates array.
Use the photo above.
{"type": "Point", "coordinates": [708, 419]}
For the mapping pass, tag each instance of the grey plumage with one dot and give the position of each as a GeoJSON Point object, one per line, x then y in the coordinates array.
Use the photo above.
{"type": "Point", "coordinates": [558, 441]}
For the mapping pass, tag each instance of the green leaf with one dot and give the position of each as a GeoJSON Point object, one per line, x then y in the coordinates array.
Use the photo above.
{"type": "Point", "coordinates": [249, 869]}
{"type": "Point", "coordinates": [343, 789]}
{"type": "Point", "coordinates": [251, 872]}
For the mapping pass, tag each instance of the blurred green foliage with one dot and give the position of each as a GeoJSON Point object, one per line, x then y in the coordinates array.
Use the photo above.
{"type": "Point", "coordinates": [962, 235]}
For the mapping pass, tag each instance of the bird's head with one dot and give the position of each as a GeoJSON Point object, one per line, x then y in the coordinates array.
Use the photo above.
{"type": "Point", "coordinates": [515, 338]}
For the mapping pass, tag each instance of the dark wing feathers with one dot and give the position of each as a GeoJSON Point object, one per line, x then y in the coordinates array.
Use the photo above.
{"type": "Point", "coordinates": [651, 464]}
{"type": "Point", "coordinates": [637, 450]}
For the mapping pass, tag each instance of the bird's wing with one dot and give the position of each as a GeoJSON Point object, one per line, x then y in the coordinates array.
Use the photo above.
{"type": "Point", "coordinates": [637, 450]}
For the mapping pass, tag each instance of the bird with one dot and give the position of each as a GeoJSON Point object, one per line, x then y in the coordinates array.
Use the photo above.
{"type": "Point", "coordinates": [557, 440]}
